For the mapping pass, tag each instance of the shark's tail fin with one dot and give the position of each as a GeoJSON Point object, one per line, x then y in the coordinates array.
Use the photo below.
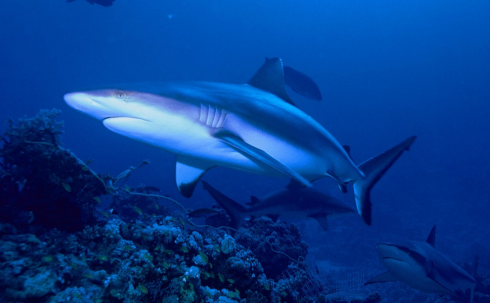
{"type": "Point", "coordinates": [236, 211]}
{"type": "Point", "coordinates": [373, 170]}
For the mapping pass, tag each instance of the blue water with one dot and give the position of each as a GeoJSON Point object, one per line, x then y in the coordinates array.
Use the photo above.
{"type": "Point", "coordinates": [387, 70]}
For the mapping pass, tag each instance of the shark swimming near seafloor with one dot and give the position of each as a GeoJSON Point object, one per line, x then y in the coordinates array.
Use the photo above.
{"type": "Point", "coordinates": [293, 202]}
{"type": "Point", "coordinates": [253, 127]}
{"type": "Point", "coordinates": [421, 266]}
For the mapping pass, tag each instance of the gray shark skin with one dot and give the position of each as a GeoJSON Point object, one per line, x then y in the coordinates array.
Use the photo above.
{"type": "Point", "coordinates": [293, 202]}
{"type": "Point", "coordinates": [252, 127]}
{"type": "Point", "coordinates": [419, 265]}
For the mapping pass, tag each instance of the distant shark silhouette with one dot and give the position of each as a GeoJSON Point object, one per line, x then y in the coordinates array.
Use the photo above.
{"type": "Point", "coordinates": [301, 83]}
{"type": "Point", "coordinates": [419, 265]}
{"type": "Point", "coordinates": [293, 202]}
{"type": "Point", "coordinates": [252, 127]}
{"type": "Point", "coordinates": [99, 2]}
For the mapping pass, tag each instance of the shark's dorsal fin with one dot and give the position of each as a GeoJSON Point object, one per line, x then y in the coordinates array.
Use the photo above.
{"type": "Point", "coordinates": [431, 239]}
{"type": "Point", "coordinates": [188, 172]}
{"type": "Point", "coordinates": [270, 78]}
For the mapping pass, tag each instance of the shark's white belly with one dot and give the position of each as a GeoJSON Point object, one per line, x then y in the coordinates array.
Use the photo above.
{"type": "Point", "coordinates": [413, 275]}
{"type": "Point", "coordinates": [183, 136]}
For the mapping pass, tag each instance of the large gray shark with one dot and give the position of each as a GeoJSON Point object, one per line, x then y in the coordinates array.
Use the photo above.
{"type": "Point", "coordinates": [293, 202]}
{"type": "Point", "coordinates": [421, 266]}
{"type": "Point", "coordinates": [253, 127]}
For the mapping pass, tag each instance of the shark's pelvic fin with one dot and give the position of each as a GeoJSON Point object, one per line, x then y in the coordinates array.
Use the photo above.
{"type": "Point", "coordinates": [270, 78]}
{"type": "Point", "coordinates": [431, 239]}
{"type": "Point", "coordinates": [373, 170]}
{"type": "Point", "coordinates": [384, 277]}
{"type": "Point", "coordinates": [260, 156]}
{"type": "Point", "coordinates": [188, 172]}
{"type": "Point", "coordinates": [322, 220]}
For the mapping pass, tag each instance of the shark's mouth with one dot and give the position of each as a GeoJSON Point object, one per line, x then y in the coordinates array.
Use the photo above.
{"type": "Point", "coordinates": [394, 260]}
{"type": "Point", "coordinates": [122, 117]}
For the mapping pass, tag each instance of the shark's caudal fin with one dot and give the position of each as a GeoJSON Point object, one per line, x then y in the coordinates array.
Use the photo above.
{"type": "Point", "coordinates": [373, 170]}
{"type": "Point", "coordinates": [236, 211]}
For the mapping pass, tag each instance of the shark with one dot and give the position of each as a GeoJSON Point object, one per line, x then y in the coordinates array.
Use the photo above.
{"type": "Point", "coordinates": [421, 266]}
{"type": "Point", "coordinates": [253, 127]}
{"type": "Point", "coordinates": [293, 202]}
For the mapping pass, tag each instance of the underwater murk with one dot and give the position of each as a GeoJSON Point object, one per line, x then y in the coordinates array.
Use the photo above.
{"type": "Point", "coordinates": [337, 153]}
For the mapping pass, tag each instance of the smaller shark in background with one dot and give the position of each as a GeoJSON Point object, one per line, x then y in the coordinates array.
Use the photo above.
{"type": "Point", "coordinates": [419, 265]}
{"type": "Point", "coordinates": [294, 202]}
{"type": "Point", "coordinates": [105, 3]}
{"type": "Point", "coordinates": [300, 83]}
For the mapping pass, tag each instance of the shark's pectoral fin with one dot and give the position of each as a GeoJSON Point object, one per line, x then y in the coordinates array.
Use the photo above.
{"type": "Point", "coordinates": [454, 286]}
{"type": "Point", "coordinates": [259, 155]}
{"type": "Point", "coordinates": [322, 220]}
{"type": "Point", "coordinates": [188, 171]}
{"type": "Point", "coordinates": [384, 277]}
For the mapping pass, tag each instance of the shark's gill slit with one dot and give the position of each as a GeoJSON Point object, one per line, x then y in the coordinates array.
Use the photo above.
{"type": "Point", "coordinates": [222, 118]}
{"type": "Point", "coordinates": [216, 117]}
{"type": "Point", "coordinates": [211, 113]}
{"type": "Point", "coordinates": [203, 113]}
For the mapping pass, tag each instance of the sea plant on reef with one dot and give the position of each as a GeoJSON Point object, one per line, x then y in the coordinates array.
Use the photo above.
{"type": "Point", "coordinates": [41, 183]}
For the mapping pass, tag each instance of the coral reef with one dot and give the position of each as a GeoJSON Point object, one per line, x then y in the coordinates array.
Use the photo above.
{"type": "Point", "coordinates": [276, 244]}
{"type": "Point", "coordinates": [58, 245]}
{"type": "Point", "coordinates": [41, 183]}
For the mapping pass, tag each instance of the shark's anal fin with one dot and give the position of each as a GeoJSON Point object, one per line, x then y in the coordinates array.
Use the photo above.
{"type": "Point", "coordinates": [431, 239]}
{"type": "Point", "coordinates": [188, 171]}
{"type": "Point", "coordinates": [322, 220]}
{"type": "Point", "coordinates": [270, 78]}
{"type": "Point", "coordinates": [384, 277]}
{"type": "Point", "coordinates": [260, 156]}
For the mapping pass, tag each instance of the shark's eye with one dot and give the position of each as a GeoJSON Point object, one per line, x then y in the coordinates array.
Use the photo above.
{"type": "Point", "coordinates": [121, 95]}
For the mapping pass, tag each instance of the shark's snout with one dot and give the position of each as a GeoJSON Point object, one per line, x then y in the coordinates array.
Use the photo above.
{"type": "Point", "coordinates": [386, 250]}
{"type": "Point", "coordinates": [85, 103]}
{"type": "Point", "coordinates": [73, 99]}
{"type": "Point", "coordinates": [95, 105]}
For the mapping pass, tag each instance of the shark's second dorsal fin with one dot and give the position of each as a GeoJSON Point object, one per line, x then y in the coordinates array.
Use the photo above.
{"type": "Point", "coordinates": [431, 239]}
{"type": "Point", "coordinates": [270, 78]}
{"type": "Point", "coordinates": [347, 150]}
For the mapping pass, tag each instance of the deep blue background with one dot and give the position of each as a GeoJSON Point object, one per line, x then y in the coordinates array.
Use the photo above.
{"type": "Point", "coordinates": [387, 70]}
